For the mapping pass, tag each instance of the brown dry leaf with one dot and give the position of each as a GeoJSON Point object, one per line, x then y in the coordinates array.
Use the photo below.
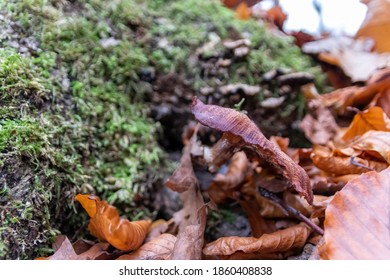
{"type": "Point", "coordinates": [183, 178]}
{"type": "Point", "coordinates": [191, 220]}
{"type": "Point", "coordinates": [357, 220]}
{"type": "Point", "coordinates": [223, 185]}
{"type": "Point", "coordinates": [337, 165]}
{"type": "Point", "coordinates": [66, 251]}
{"type": "Point", "coordinates": [319, 126]}
{"type": "Point", "coordinates": [106, 224]}
{"type": "Point", "coordinates": [279, 241]}
{"type": "Point", "coordinates": [158, 248]}
{"type": "Point", "coordinates": [355, 96]}
{"type": "Point", "coordinates": [377, 24]}
{"type": "Point", "coordinates": [371, 119]}
{"type": "Point", "coordinates": [241, 133]}
{"type": "Point", "coordinates": [343, 51]}
{"type": "Point", "coordinates": [375, 143]}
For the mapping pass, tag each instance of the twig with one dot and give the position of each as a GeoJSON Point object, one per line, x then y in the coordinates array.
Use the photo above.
{"type": "Point", "coordinates": [354, 162]}
{"type": "Point", "coordinates": [291, 210]}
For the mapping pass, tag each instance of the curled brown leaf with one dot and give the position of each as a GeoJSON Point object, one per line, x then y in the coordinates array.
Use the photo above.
{"type": "Point", "coordinates": [279, 241]}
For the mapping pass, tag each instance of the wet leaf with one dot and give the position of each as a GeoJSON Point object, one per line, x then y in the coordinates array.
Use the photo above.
{"type": "Point", "coordinates": [279, 241]}
{"type": "Point", "coordinates": [106, 225]}
{"type": "Point", "coordinates": [376, 25]}
{"type": "Point", "coordinates": [159, 248]}
{"type": "Point", "coordinates": [357, 220]}
{"type": "Point", "coordinates": [66, 251]}
{"type": "Point", "coordinates": [241, 133]}
{"type": "Point", "coordinates": [371, 119]}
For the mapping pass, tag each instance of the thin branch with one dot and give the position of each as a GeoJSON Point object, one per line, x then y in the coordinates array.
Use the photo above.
{"type": "Point", "coordinates": [291, 210]}
{"type": "Point", "coordinates": [354, 162]}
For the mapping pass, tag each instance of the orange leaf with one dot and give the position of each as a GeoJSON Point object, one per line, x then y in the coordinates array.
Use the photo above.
{"type": "Point", "coordinates": [105, 224]}
{"type": "Point", "coordinates": [338, 165]}
{"type": "Point", "coordinates": [158, 248]}
{"type": "Point", "coordinates": [357, 220]}
{"type": "Point", "coordinates": [243, 11]}
{"type": "Point", "coordinates": [376, 25]}
{"type": "Point", "coordinates": [371, 119]}
{"type": "Point", "coordinates": [279, 241]}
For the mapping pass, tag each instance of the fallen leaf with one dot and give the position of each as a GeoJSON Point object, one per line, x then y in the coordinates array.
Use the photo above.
{"type": "Point", "coordinates": [191, 220]}
{"type": "Point", "coordinates": [376, 25]}
{"type": "Point", "coordinates": [64, 250]}
{"type": "Point", "coordinates": [337, 165]}
{"type": "Point", "coordinates": [106, 225]}
{"type": "Point", "coordinates": [371, 119]}
{"type": "Point", "coordinates": [357, 220]}
{"type": "Point", "coordinates": [159, 248]}
{"type": "Point", "coordinates": [279, 241]}
{"type": "Point", "coordinates": [374, 141]}
{"type": "Point", "coordinates": [241, 133]}
{"type": "Point", "coordinates": [223, 184]}
{"type": "Point", "coordinates": [343, 51]}
{"type": "Point", "coordinates": [355, 96]}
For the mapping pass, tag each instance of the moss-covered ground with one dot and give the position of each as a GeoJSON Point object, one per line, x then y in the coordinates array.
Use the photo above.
{"type": "Point", "coordinates": [74, 80]}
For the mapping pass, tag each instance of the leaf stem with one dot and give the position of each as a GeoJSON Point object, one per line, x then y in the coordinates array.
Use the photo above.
{"type": "Point", "coordinates": [291, 210]}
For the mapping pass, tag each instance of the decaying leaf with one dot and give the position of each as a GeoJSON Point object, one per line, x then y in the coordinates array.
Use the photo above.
{"type": "Point", "coordinates": [376, 25]}
{"type": "Point", "coordinates": [279, 241]}
{"type": "Point", "coordinates": [66, 251]}
{"type": "Point", "coordinates": [159, 248]}
{"type": "Point", "coordinates": [241, 133]}
{"type": "Point", "coordinates": [357, 220]}
{"type": "Point", "coordinates": [374, 143]}
{"type": "Point", "coordinates": [371, 119]}
{"type": "Point", "coordinates": [106, 224]}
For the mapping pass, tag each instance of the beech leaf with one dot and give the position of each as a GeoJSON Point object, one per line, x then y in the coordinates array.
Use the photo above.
{"type": "Point", "coordinates": [337, 165]}
{"type": "Point", "coordinates": [66, 251]}
{"type": "Point", "coordinates": [239, 133]}
{"type": "Point", "coordinates": [357, 220]}
{"type": "Point", "coordinates": [375, 143]}
{"type": "Point", "coordinates": [158, 248]}
{"type": "Point", "coordinates": [279, 241]}
{"type": "Point", "coordinates": [371, 119]}
{"type": "Point", "coordinates": [106, 225]}
{"type": "Point", "coordinates": [376, 25]}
